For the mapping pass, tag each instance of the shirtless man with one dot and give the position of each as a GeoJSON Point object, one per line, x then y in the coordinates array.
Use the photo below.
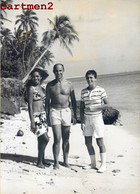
{"type": "Point", "coordinates": [59, 92]}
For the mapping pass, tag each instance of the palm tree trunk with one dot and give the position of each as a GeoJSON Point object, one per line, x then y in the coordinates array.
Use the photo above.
{"type": "Point", "coordinates": [23, 56]}
{"type": "Point", "coordinates": [26, 77]}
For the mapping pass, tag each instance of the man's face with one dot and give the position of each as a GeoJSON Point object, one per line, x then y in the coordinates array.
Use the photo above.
{"type": "Point", "coordinates": [91, 80]}
{"type": "Point", "coordinates": [58, 72]}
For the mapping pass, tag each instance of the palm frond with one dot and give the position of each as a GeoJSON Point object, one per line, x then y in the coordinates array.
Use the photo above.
{"type": "Point", "coordinates": [70, 27]}
{"type": "Point", "coordinates": [48, 37]}
{"type": "Point", "coordinates": [63, 19]}
{"type": "Point", "coordinates": [51, 22]}
{"type": "Point", "coordinates": [34, 18]}
{"type": "Point", "coordinates": [27, 20]}
{"type": "Point", "coordinates": [64, 44]}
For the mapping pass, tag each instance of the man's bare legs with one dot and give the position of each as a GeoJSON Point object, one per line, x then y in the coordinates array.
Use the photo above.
{"type": "Point", "coordinates": [91, 151]}
{"type": "Point", "coordinates": [56, 145]}
{"type": "Point", "coordinates": [101, 145]}
{"type": "Point", "coordinates": [88, 142]}
{"type": "Point", "coordinates": [102, 149]}
{"type": "Point", "coordinates": [59, 132]}
{"type": "Point", "coordinates": [65, 144]}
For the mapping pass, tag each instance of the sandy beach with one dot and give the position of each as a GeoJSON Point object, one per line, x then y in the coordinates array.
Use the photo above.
{"type": "Point", "coordinates": [19, 174]}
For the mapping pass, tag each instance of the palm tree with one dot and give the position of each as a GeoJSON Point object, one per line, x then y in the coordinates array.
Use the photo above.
{"type": "Point", "coordinates": [7, 49]}
{"type": "Point", "coordinates": [3, 12]}
{"type": "Point", "coordinates": [62, 31]}
{"type": "Point", "coordinates": [47, 58]}
{"type": "Point", "coordinates": [31, 46]}
{"type": "Point", "coordinates": [6, 38]}
{"type": "Point", "coordinates": [27, 23]}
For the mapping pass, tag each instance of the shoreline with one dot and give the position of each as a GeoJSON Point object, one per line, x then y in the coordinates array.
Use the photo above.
{"type": "Point", "coordinates": [100, 76]}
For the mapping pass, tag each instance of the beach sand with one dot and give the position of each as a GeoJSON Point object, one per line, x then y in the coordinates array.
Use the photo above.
{"type": "Point", "coordinates": [19, 174]}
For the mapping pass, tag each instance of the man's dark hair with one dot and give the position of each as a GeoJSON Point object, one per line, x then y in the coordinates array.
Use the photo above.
{"type": "Point", "coordinates": [91, 72]}
{"type": "Point", "coordinates": [54, 67]}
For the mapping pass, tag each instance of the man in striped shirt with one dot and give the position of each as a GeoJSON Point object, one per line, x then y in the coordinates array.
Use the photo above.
{"type": "Point", "coordinates": [93, 101]}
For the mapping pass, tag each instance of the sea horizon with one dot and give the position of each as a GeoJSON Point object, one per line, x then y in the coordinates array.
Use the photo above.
{"type": "Point", "coordinates": [109, 75]}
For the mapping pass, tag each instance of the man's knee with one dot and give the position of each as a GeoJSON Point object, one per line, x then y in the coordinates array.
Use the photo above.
{"type": "Point", "coordinates": [66, 141]}
{"type": "Point", "coordinates": [65, 136]}
{"type": "Point", "coordinates": [57, 140]}
{"type": "Point", "coordinates": [100, 142]}
{"type": "Point", "coordinates": [88, 143]}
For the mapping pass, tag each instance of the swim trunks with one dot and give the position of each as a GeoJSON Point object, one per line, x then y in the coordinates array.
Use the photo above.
{"type": "Point", "coordinates": [40, 123]}
{"type": "Point", "coordinates": [60, 117]}
{"type": "Point", "coordinates": [94, 126]}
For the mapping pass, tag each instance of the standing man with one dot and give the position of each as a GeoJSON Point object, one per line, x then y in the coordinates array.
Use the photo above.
{"type": "Point", "coordinates": [93, 101]}
{"type": "Point", "coordinates": [59, 92]}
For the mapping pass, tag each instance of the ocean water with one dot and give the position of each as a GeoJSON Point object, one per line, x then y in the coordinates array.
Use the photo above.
{"type": "Point", "coordinates": [123, 89]}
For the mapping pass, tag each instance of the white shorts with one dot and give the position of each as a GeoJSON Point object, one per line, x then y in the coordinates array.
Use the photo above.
{"type": "Point", "coordinates": [60, 117]}
{"type": "Point", "coordinates": [94, 126]}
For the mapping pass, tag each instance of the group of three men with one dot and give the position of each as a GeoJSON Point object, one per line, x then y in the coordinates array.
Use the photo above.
{"type": "Point", "coordinates": [59, 93]}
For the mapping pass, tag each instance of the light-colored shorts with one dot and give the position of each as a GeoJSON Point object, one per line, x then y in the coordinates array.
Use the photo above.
{"type": "Point", "coordinates": [94, 126]}
{"type": "Point", "coordinates": [60, 117]}
{"type": "Point", "coordinates": [40, 123]}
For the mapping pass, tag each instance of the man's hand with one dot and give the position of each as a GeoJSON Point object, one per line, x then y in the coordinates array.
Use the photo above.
{"type": "Point", "coordinates": [83, 126]}
{"type": "Point", "coordinates": [74, 120]}
{"type": "Point", "coordinates": [95, 108]}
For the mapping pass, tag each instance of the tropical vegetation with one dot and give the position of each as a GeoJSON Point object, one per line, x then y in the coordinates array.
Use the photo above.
{"type": "Point", "coordinates": [20, 50]}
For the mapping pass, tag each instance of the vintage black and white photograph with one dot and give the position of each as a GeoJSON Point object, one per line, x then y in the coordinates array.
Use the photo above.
{"type": "Point", "coordinates": [66, 64]}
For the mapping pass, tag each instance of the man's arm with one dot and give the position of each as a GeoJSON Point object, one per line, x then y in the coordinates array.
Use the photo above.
{"type": "Point", "coordinates": [47, 103]}
{"type": "Point", "coordinates": [82, 107]}
{"type": "Point", "coordinates": [100, 107]}
{"type": "Point", "coordinates": [106, 103]}
{"type": "Point", "coordinates": [103, 106]}
{"type": "Point", "coordinates": [74, 104]}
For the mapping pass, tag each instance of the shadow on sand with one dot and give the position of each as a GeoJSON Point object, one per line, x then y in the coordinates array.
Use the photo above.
{"type": "Point", "coordinates": [30, 160]}
{"type": "Point", "coordinates": [22, 158]}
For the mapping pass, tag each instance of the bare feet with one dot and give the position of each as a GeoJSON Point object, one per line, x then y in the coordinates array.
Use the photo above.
{"type": "Point", "coordinates": [40, 165]}
{"type": "Point", "coordinates": [56, 166]}
{"type": "Point", "coordinates": [66, 165]}
{"type": "Point", "coordinates": [46, 164]}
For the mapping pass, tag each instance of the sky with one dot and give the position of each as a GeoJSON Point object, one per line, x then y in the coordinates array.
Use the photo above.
{"type": "Point", "coordinates": [108, 31]}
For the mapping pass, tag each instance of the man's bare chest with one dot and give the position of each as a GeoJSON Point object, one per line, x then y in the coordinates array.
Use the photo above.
{"type": "Point", "coordinates": [59, 88]}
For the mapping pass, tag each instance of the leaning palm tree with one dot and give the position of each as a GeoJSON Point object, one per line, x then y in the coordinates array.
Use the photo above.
{"type": "Point", "coordinates": [46, 59]}
{"type": "Point", "coordinates": [62, 31]}
{"type": "Point", "coordinates": [27, 23]}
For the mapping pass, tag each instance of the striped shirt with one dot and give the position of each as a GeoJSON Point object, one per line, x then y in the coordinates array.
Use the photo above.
{"type": "Point", "coordinates": [92, 98]}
